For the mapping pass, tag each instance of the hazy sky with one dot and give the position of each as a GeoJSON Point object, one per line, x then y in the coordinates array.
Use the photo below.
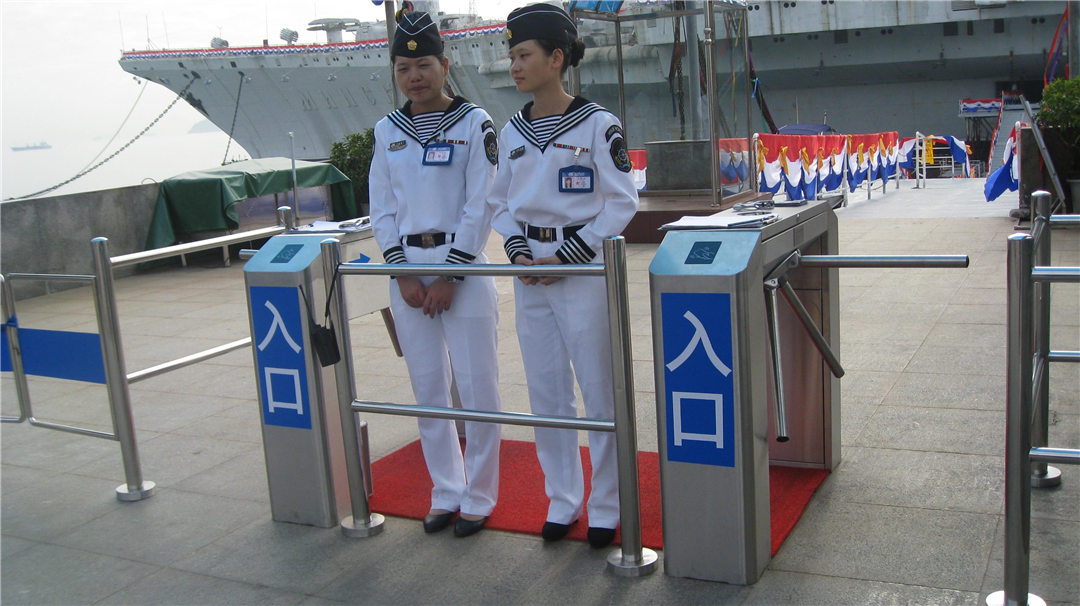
{"type": "Point", "coordinates": [60, 76]}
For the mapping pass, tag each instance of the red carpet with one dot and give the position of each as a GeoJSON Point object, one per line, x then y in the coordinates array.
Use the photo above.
{"type": "Point", "coordinates": [403, 488]}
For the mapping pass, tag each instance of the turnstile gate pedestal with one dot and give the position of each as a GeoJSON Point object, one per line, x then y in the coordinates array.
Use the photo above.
{"type": "Point", "coordinates": [713, 396]}
{"type": "Point", "coordinates": [301, 425]}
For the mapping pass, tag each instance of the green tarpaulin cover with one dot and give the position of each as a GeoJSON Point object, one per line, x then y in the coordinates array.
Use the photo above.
{"type": "Point", "coordinates": [205, 200]}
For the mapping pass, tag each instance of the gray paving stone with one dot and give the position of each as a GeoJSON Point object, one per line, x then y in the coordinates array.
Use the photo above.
{"type": "Point", "coordinates": [289, 557]}
{"type": "Point", "coordinates": [778, 587]}
{"type": "Point", "coordinates": [911, 546]}
{"type": "Point", "coordinates": [907, 478]}
{"type": "Point", "coordinates": [936, 429]}
{"type": "Point", "coordinates": [932, 390]}
{"type": "Point", "coordinates": [163, 528]}
{"type": "Point", "coordinates": [1054, 546]}
{"type": "Point", "coordinates": [161, 458]}
{"type": "Point", "coordinates": [171, 587]}
{"type": "Point", "coordinates": [50, 574]}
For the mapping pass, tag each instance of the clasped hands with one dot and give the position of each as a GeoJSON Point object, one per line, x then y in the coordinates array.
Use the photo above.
{"type": "Point", "coordinates": [543, 280]}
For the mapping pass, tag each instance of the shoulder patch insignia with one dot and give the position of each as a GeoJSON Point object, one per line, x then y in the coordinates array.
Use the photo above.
{"type": "Point", "coordinates": [613, 130]}
{"type": "Point", "coordinates": [396, 145]}
{"type": "Point", "coordinates": [487, 125]}
{"type": "Point", "coordinates": [517, 152]}
{"type": "Point", "coordinates": [491, 147]}
{"type": "Point", "coordinates": [619, 155]}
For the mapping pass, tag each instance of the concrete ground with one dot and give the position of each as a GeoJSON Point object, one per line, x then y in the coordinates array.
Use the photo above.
{"type": "Point", "coordinates": [913, 515]}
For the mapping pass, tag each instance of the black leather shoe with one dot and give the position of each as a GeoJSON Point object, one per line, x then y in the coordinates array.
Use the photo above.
{"type": "Point", "coordinates": [464, 528]}
{"type": "Point", "coordinates": [434, 522]}
{"type": "Point", "coordinates": [600, 537]}
{"type": "Point", "coordinates": [553, 531]}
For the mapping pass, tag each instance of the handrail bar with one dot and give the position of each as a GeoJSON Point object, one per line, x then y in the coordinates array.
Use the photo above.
{"type": "Point", "coordinates": [1065, 456]}
{"type": "Point", "coordinates": [51, 277]}
{"type": "Point", "coordinates": [508, 418]}
{"type": "Point", "coordinates": [165, 252]}
{"type": "Point", "coordinates": [884, 261]}
{"type": "Point", "coordinates": [505, 270]}
{"type": "Point", "coordinates": [1055, 274]}
{"type": "Point", "coordinates": [1064, 356]}
{"type": "Point", "coordinates": [83, 431]}
{"type": "Point", "coordinates": [194, 358]}
{"type": "Point", "coordinates": [632, 559]}
{"type": "Point", "coordinates": [1065, 221]}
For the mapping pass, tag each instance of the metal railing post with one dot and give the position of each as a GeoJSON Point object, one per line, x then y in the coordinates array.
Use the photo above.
{"type": "Point", "coordinates": [1042, 475]}
{"type": "Point", "coordinates": [286, 217]}
{"type": "Point", "coordinates": [112, 353]}
{"type": "Point", "coordinates": [631, 560]}
{"type": "Point", "coordinates": [362, 522]}
{"type": "Point", "coordinates": [11, 328]}
{"type": "Point", "coordinates": [1018, 428]}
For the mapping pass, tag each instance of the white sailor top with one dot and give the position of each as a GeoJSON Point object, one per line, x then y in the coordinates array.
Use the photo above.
{"type": "Point", "coordinates": [436, 185]}
{"type": "Point", "coordinates": [580, 177]}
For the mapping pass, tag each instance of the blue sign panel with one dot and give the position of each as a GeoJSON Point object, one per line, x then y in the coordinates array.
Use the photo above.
{"type": "Point", "coordinates": [698, 379]}
{"type": "Point", "coordinates": [279, 352]}
{"type": "Point", "coordinates": [57, 353]}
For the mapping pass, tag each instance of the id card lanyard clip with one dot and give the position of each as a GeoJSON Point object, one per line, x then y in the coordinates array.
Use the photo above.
{"type": "Point", "coordinates": [576, 179]}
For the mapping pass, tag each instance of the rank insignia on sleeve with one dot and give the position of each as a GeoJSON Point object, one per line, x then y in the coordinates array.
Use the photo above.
{"type": "Point", "coordinates": [619, 155]}
{"type": "Point", "coordinates": [491, 147]}
{"type": "Point", "coordinates": [396, 145]}
{"type": "Point", "coordinates": [517, 152]}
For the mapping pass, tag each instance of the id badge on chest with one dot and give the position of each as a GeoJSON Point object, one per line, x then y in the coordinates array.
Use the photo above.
{"type": "Point", "coordinates": [575, 179]}
{"type": "Point", "coordinates": [438, 154]}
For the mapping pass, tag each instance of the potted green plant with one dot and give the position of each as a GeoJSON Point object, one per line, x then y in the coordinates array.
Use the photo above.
{"type": "Point", "coordinates": [1059, 121]}
{"type": "Point", "coordinates": [352, 156]}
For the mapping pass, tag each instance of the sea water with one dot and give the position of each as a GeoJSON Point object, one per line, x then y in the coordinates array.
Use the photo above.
{"type": "Point", "coordinates": [151, 158]}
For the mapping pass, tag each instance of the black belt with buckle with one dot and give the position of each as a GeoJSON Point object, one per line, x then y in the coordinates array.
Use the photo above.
{"type": "Point", "coordinates": [550, 234]}
{"type": "Point", "coordinates": [428, 240]}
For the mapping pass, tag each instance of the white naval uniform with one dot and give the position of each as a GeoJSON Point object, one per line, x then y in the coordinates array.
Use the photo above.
{"type": "Point", "coordinates": [409, 197]}
{"type": "Point", "coordinates": [563, 327]}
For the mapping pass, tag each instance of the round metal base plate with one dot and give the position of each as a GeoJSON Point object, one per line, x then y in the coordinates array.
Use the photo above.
{"type": "Point", "coordinates": [998, 599]}
{"type": "Point", "coordinates": [646, 566]}
{"type": "Point", "coordinates": [123, 493]}
{"type": "Point", "coordinates": [353, 530]}
{"type": "Point", "coordinates": [1050, 480]}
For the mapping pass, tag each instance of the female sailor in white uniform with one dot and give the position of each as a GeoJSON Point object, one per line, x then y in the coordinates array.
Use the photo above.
{"type": "Point", "coordinates": [432, 166]}
{"type": "Point", "coordinates": [564, 185]}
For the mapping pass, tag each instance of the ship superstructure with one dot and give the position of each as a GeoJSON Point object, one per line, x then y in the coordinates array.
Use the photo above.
{"type": "Point", "coordinates": [860, 66]}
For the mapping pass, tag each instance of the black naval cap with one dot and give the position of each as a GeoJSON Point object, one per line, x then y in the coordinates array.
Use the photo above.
{"type": "Point", "coordinates": [540, 21]}
{"type": "Point", "coordinates": [416, 36]}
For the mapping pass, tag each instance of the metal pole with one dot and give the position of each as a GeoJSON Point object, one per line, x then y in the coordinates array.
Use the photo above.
{"type": "Point", "coordinates": [631, 560]}
{"type": "Point", "coordinates": [11, 327]}
{"type": "Point", "coordinates": [362, 523]}
{"type": "Point", "coordinates": [1042, 475]}
{"type": "Point", "coordinates": [391, 29]}
{"type": "Point", "coordinates": [881, 261]}
{"type": "Point", "coordinates": [811, 328]}
{"type": "Point", "coordinates": [112, 352]}
{"type": "Point", "coordinates": [619, 72]}
{"type": "Point", "coordinates": [773, 320]}
{"type": "Point", "coordinates": [710, 85]}
{"type": "Point", "coordinates": [292, 154]}
{"type": "Point", "coordinates": [286, 217]}
{"type": "Point", "coordinates": [1018, 428]}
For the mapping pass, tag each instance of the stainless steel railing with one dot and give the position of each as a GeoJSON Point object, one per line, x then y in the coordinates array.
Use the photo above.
{"type": "Point", "coordinates": [1027, 397]}
{"type": "Point", "coordinates": [117, 378]}
{"type": "Point", "coordinates": [631, 559]}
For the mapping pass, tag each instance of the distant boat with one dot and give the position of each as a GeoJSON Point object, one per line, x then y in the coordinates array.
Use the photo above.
{"type": "Point", "coordinates": [29, 146]}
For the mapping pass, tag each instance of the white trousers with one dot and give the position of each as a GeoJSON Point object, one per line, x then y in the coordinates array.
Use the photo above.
{"type": "Point", "coordinates": [563, 329]}
{"type": "Point", "coordinates": [465, 334]}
